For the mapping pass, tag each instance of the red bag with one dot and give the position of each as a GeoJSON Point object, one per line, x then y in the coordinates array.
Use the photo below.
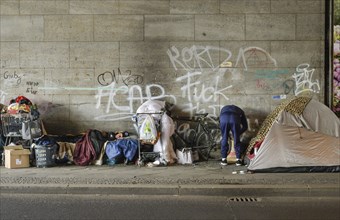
{"type": "Point", "coordinates": [84, 152]}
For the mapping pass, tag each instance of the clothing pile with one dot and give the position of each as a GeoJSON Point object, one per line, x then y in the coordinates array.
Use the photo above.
{"type": "Point", "coordinates": [96, 147]}
{"type": "Point", "coordinates": [21, 104]}
{"type": "Point", "coordinates": [21, 119]}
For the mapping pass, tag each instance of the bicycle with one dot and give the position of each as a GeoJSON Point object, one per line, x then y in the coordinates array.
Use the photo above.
{"type": "Point", "coordinates": [204, 137]}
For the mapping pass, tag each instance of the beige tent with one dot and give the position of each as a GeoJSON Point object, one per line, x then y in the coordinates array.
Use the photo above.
{"type": "Point", "coordinates": [300, 135]}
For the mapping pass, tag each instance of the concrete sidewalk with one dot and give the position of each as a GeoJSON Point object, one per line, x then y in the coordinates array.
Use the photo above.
{"type": "Point", "coordinates": [203, 178]}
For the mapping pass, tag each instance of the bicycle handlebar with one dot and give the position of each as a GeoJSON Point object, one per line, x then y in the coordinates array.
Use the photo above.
{"type": "Point", "coordinates": [203, 115]}
{"type": "Point", "coordinates": [195, 117]}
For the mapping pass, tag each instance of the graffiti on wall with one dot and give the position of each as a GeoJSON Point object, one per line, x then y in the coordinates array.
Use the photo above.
{"type": "Point", "coordinates": [196, 57]}
{"type": "Point", "coordinates": [304, 80]}
{"type": "Point", "coordinates": [197, 92]}
{"type": "Point", "coordinates": [200, 57]}
{"type": "Point", "coordinates": [13, 76]}
{"type": "Point", "coordinates": [133, 96]}
{"type": "Point", "coordinates": [199, 64]}
{"type": "Point", "coordinates": [121, 92]}
{"type": "Point", "coordinates": [32, 87]}
{"type": "Point", "coordinates": [288, 86]}
{"type": "Point", "coordinates": [108, 77]}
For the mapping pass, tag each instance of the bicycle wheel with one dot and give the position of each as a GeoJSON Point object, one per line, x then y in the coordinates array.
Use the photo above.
{"type": "Point", "coordinates": [215, 151]}
{"type": "Point", "coordinates": [216, 135]}
{"type": "Point", "coordinates": [203, 146]}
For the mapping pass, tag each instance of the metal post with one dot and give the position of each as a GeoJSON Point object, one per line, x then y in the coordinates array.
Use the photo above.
{"type": "Point", "coordinates": [328, 94]}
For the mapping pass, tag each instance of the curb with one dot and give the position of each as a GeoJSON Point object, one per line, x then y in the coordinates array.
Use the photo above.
{"type": "Point", "coordinates": [329, 190]}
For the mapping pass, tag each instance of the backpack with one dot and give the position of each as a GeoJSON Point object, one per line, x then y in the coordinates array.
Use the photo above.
{"type": "Point", "coordinates": [98, 140]}
{"type": "Point", "coordinates": [84, 151]}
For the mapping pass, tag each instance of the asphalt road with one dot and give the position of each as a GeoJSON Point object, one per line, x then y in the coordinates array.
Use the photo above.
{"type": "Point", "coordinates": [79, 207]}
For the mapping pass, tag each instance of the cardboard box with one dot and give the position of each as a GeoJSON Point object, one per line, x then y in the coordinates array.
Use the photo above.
{"type": "Point", "coordinates": [16, 157]}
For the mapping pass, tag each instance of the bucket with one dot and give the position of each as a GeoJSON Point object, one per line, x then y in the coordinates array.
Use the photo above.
{"type": "Point", "coordinates": [45, 155]}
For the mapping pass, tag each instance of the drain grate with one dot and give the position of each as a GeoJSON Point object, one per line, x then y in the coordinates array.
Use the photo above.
{"type": "Point", "coordinates": [244, 199]}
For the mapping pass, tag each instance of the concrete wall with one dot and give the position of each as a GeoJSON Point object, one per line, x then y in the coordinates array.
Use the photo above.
{"type": "Point", "coordinates": [91, 63]}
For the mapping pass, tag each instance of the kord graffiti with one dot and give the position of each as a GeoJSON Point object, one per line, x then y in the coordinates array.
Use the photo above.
{"type": "Point", "coordinates": [199, 57]}
{"type": "Point", "coordinates": [195, 57]}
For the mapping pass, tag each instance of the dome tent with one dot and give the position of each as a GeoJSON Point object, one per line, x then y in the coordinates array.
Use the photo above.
{"type": "Point", "coordinates": [300, 135]}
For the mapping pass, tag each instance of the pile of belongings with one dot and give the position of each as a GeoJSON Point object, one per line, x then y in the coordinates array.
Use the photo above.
{"type": "Point", "coordinates": [97, 147]}
{"type": "Point", "coordinates": [21, 104]}
{"type": "Point", "coordinates": [94, 147]}
{"type": "Point", "coordinates": [20, 119]}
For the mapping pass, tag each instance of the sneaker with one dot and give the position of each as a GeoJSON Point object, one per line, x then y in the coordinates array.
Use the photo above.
{"type": "Point", "coordinates": [224, 162]}
{"type": "Point", "coordinates": [239, 163]}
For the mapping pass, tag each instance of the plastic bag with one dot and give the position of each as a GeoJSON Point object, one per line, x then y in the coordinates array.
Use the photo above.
{"type": "Point", "coordinates": [148, 131]}
{"type": "Point", "coordinates": [31, 129]}
{"type": "Point", "coordinates": [184, 156]}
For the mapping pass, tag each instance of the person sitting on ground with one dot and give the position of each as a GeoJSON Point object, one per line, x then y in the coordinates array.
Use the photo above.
{"type": "Point", "coordinates": [232, 118]}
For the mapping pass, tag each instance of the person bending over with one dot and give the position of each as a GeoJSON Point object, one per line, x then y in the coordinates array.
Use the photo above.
{"type": "Point", "coordinates": [232, 118]}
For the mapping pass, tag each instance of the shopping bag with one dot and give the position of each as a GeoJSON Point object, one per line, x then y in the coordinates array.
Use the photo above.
{"type": "Point", "coordinates": [31, 129]}
{"type": "Point", "coordinates": [184, 156]}
{"type": "Point", "coordinates": [148, 133]}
